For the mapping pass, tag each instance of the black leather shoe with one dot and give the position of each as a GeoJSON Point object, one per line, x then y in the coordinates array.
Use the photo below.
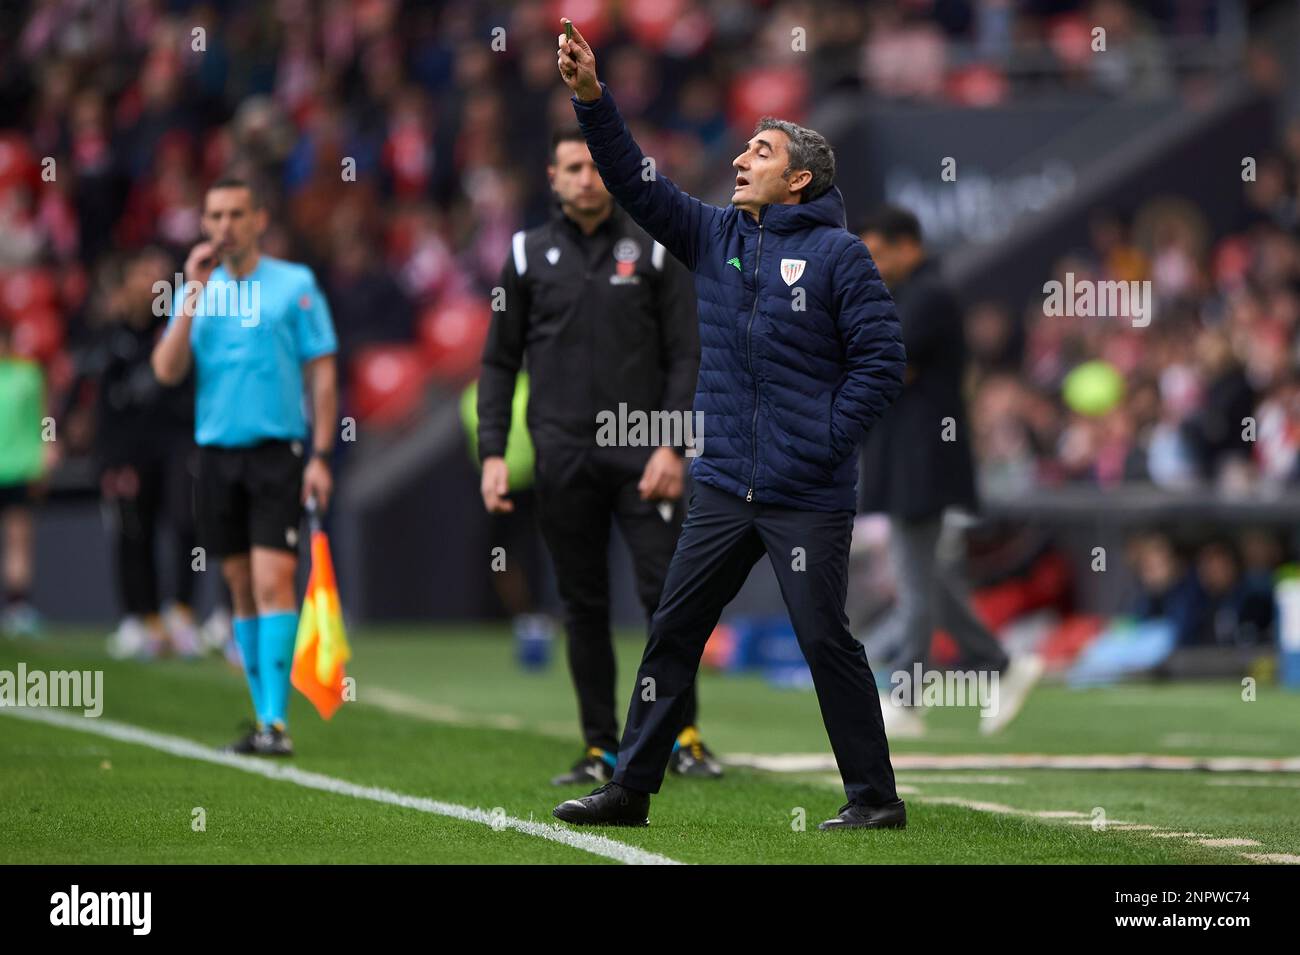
{"type": "Point", "coordinates": [889, 815]}
{"type": "Point", "coordinates": [610, 805]}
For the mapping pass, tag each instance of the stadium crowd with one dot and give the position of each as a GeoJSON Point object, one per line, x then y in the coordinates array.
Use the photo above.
{"type": "Point", "coordinates": [405, 143]}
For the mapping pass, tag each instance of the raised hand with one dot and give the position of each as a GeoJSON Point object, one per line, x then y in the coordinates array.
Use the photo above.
{"type": "Point", "coordinates": [578, 65]}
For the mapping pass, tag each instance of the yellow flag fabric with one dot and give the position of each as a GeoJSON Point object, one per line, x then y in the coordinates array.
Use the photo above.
{"type": "Point", "coordinates": [322, 648]}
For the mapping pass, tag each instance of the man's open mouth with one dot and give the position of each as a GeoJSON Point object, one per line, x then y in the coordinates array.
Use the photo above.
{"type": "Point", "coordinates": [741, 181]}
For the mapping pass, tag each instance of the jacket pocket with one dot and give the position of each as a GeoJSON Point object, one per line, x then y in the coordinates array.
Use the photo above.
{"type": "Point", "coordinates": [829, 455]}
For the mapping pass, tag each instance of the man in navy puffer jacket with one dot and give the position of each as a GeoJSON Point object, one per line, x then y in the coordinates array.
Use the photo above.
{"type": "Point", "coordinates": [801, 352]}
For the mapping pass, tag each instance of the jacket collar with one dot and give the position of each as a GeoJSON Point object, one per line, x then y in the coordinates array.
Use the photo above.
{"type": "Point", "coordinates": [826, 209]}
{"type": "Point", "coordinates": [612, 222]}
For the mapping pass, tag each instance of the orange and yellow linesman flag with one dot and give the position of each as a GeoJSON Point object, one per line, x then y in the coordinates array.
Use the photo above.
{"type": "Point", "coordinates": [322, 648]}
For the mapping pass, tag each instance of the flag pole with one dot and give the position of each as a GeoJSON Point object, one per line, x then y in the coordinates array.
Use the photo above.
{"type": "Point", "coordinates": [313, 514]}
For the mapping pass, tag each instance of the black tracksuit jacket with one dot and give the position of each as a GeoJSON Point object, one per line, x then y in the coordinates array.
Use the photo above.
{"type": "Point", "coordinates": [600, 320]}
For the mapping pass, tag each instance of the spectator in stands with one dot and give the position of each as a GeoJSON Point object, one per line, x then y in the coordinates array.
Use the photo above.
{"type": "Point", "coordinates": [1239, 610]}
{"type": "Point", "coordinates": [997, 343]}
{"type": "Point", "coordinates": [1168, 589]}
{"type": "Point", "coordinates": [1215, 432]}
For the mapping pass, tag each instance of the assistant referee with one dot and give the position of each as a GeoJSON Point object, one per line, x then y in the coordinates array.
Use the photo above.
{"type": "Point", "coordinates": [254, 327]}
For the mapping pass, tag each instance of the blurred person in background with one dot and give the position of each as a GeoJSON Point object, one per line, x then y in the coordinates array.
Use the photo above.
{"type": "Point", "coordinates": [25, 458]}
{"type": "Point", "coordinates": [917, 467]}
{"type": "Point", "coordinates": [604, 318]}
{"type": "Point", "coordinates": [1239, 609]}
{"type": "Point", "coordinates": [1168, 588]}
{"type": "Point", "coordinates": [1214, 432]}
{"type": "Point", "coordinates": [255, 471]}
{"type": "Point", "coordinates": [996, 342]}
{"type": "Point", "coordinates": [145, 450]}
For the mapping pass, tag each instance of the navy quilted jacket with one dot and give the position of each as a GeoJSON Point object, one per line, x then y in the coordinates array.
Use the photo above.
{"type": "Point", "coordinates": [786, 393]}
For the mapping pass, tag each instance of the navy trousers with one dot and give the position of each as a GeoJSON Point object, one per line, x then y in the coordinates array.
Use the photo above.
{"type": "Point", "coordinates": [722, 539]}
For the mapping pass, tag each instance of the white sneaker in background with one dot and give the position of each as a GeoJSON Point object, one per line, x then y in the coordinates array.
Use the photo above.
{"type": "Point", "coordinates": [129, 640]}
{"type": "Point", "coordinates": [182, 631]}
{"type": "Point", "coordinates": [901, 722]}
{"type": "Point", "coordinates": [217, 631]}
{"type": "Point", "coordinates": [1014, 686]}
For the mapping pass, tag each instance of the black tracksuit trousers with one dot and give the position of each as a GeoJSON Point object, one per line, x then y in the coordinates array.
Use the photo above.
{"type": "Point", "coordinates": [722, 539]}
{"type": "Point", "coordinates": [579, 494]}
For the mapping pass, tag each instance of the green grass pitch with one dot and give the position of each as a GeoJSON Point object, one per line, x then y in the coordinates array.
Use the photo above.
{"type": "Point", "coordinates": [445, 714]}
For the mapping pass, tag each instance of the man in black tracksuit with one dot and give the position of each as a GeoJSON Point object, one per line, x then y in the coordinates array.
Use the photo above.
{"type": "Point", "coordinates": [800, 353]}
{"type": "Point", "coordinates": [605, 319]}
{"type": "Point", "coordinates": [144, 446]}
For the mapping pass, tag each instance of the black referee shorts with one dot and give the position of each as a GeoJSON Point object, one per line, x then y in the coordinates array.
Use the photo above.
{"type": "Point", "coordinates": [249, 497]}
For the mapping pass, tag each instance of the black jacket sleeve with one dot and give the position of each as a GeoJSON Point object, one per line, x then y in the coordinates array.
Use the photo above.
{"type": "Point", "coordinates": [503, 355]}
{"type": "Point", "coordinates": [679, 336]}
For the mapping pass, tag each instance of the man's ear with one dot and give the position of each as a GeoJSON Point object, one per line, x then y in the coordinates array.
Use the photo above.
{"type": "Point", "coordinates": [799, 181]}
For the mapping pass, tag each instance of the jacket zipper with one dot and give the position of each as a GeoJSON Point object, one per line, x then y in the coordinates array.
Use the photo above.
{"type": "Point", "coordinates": [749, 352]}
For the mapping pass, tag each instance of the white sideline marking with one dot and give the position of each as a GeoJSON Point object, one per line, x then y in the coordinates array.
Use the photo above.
{"type": "Point", "coordinates": [1238, 741]}
{"type": "Point", "coordinates": [979, 805]}
{"type": "Point", "coordinates": [820, 762]}
{"type": "Point", "coordinates": [903, 789]}
{"type": "Point", "coordinates": [1253, 783]}
{"type": "Point", "coordinates": [1120, 825]}
{"type": "Point", "coordinates": [968, 779]}
{"type": "Point", "coordinates": [187, 749]}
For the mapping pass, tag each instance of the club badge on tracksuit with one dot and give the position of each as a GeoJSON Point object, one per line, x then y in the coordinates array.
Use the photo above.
{"type": "Point", "coordinates": [626, 252]}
